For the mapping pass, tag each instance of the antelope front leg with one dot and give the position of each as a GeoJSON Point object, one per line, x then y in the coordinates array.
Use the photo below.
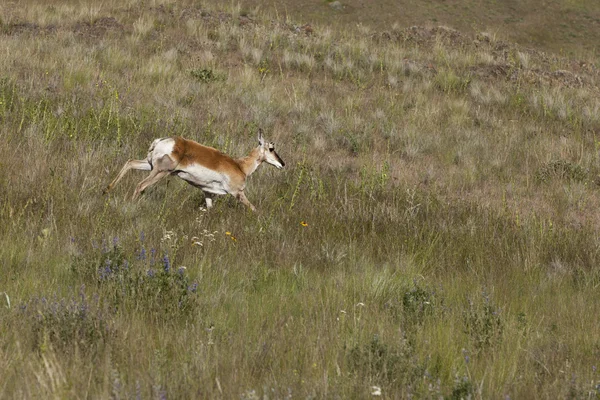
{"type": "Point", "coordinates": [242, 197]}
{"type": "Point", "coordinates": [208, 197]}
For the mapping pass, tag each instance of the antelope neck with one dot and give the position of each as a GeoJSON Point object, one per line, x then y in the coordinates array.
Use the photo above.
{"type": "Point", "coordinates": [249, 163]}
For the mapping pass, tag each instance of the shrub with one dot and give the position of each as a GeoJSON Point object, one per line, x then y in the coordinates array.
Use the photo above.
{"type": "Point", "coordinates": [413, 304]}
{"type": "Point", "coordinates": [68, 323]}
{"type": "Point", "coordinates": [381, 362]}
{"type": "Point", "coordinates": [463, 389]}
{"type": "Point", "coordinates": [204, 75]}
{"type": "Point", "coordinates": [419, 302]}
{"type": "Point", "coordinates": [561, 169]}
{"type": "Point", "coordinates": [145, 284]}
{"type": "Point", "coordinates": [482, 322]}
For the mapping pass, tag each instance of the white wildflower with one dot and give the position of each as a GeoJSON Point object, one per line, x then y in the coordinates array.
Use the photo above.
{"type": "Point", "coordinates": [375, 391]}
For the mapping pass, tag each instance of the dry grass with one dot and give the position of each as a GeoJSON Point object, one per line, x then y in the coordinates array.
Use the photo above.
{"type": "Point", "coordinates": [563, 27]}
{"type": "Point", "coordinates": [434, 232]}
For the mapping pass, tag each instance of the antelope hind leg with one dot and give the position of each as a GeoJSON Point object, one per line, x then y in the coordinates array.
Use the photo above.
{"type": "Point", "coordinates": [131, 164]}
{"type": "Point", "coordinates": [162, 167]}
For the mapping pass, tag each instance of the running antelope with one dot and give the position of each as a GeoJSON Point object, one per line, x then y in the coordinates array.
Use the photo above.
{"type": "Point", "coordinates": [201, 166]}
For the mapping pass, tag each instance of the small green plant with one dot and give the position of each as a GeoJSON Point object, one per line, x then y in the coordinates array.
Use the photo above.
{"type": "Point", "coordinates": [204, 75]}
{"type": "Point", "coordinates": [263, 68]}
{"type": "Point", "coordinates": [352, 142]}
{"type": "Point", "coordinates": [463, 389]}
{"type": "Point", "coordinates": [374, 179]}
{"type": "Point", "coordinates": [378, 360]}
{"type": "Point", "coordinates": [482, 322]}
{"type": "Point", "coordinates": [449, 82]}
{"type": "Point", "coordinates": [413, 304]}
{"type": "Point", "coordinates": [561, 169]}
{"type": "Point", "coordinates": [419, 302]}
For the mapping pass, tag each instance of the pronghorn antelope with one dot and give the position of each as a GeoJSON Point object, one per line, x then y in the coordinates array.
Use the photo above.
{"type": "Point", "coordinates": [201, 166]}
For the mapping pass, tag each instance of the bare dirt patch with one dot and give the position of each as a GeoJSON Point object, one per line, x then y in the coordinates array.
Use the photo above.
{"type": "Point", "coordinates": [98, 28]}
{"type": "Point", "coordinates": [27, 28]}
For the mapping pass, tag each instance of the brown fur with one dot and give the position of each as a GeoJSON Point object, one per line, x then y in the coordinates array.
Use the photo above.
{"type": "Point", "coordinates": [187, 152]}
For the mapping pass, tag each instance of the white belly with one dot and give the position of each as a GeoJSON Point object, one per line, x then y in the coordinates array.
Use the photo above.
{"type": "Point", "coordinates": [206, 179]}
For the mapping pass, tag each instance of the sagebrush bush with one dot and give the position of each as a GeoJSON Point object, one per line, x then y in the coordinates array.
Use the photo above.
{"type": "Point", "coordinates": [141, 280]}
{"type": "Point", "coordinates": [69, 324]}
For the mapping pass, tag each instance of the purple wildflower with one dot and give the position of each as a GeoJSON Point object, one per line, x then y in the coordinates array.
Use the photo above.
{"type": "Point", "coordinates": [162, 393]}
{"type": "Point", "coordinates": [167, 263]}
{"type": "Point", "coordinates": [83, 309]}
{"type": "Point", "coordinates": [138, 388]}
{"type": "Point", "coordinates": [106, 271]}
{"type": "Point", "coordinates": [151, 273]}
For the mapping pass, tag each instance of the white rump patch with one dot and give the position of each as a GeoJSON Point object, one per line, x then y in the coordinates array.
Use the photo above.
{"type": "Point", "coordinates": [160, 148]}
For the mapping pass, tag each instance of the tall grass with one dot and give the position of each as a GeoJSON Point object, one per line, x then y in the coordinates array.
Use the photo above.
{"type": "Point", "coordinates": [434, 232]}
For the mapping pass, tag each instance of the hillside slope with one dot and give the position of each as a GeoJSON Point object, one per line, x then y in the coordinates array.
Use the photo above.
{"type": "Point", "coordinates": [561, 27]}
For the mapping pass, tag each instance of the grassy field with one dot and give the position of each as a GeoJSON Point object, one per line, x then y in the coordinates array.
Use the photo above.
{"type": "Point", "coordinates": [434, 234]}
{"type": "Point", "coordinates": [569, 27]}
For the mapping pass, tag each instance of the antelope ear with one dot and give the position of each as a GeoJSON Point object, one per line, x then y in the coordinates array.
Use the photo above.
{"type": "Point", "coordinates": [261, 141]}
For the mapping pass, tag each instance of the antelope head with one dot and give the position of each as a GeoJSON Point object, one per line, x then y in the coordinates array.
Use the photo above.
{"type": "Point", "coordinates": [267, 152]}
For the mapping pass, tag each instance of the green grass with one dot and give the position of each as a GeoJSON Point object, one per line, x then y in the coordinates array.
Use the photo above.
{"type": "Point", "coordinates": [433, 234]}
